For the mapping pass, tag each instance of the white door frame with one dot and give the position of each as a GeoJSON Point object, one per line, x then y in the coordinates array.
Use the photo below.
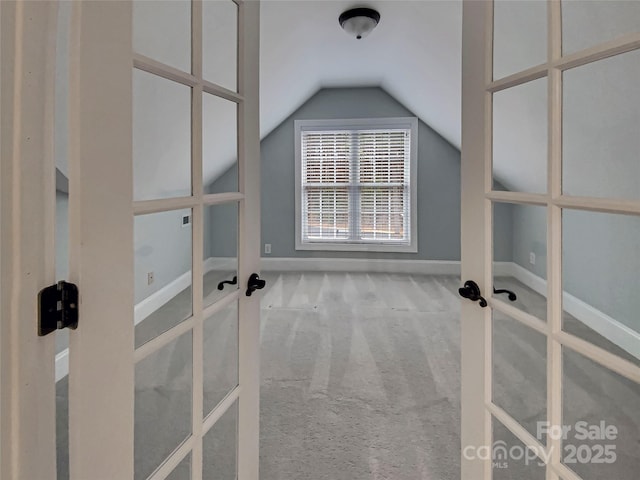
{"type": "Point", "coordinates": [478, 196]}
{"type": "Point", "coordinates": [27, 193]}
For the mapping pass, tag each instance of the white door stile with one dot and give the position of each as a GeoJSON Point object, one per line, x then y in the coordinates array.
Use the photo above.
{"type": "Point", "coordinates": [27, 405]}
{"type": "Point", "coordinates": [249, 238]}
{"type": "Point", "coordinates": [197, 246]}
{"type": "Point", "coordinates": [554, 236]}
{"type": "Point", "coordinates": [101, 374]}
{"type": "Point", "coordinates": [475, 322]}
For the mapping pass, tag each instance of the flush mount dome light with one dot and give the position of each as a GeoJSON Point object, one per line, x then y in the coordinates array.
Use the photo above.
{"type": "Point", "coordinates": [359, 21]}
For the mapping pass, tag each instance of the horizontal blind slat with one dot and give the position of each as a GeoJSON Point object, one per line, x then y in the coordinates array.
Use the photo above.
{"type": "Point", "coordinates": [382, 162]}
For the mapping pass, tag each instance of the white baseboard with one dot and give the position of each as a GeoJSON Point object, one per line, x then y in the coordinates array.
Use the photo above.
{"type": "Point", "coordinates": [610, 328]}
{"type": "Point", "coordinates": [426, 267]}
{"type": "Point", "coordinates": [157, 299]}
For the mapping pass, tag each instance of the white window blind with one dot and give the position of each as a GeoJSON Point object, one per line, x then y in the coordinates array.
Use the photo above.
{"type": "Point", "coordinates": [355, 186]}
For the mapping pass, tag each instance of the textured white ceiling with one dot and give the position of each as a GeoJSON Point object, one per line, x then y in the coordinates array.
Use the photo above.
{"type": "Point", "coordinates": [414, 54]}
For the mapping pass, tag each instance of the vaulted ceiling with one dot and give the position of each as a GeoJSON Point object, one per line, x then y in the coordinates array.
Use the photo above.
{"type": "Point", "coordinates": [414, 54]}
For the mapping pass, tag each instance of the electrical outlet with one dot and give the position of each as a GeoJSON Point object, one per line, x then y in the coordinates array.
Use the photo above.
{"type": "Point", "coordinates": [532, 258]}
{"type": "Point", "coordinates": [267, 248]}
{"type": "Point", "coordinates": [150, 278]}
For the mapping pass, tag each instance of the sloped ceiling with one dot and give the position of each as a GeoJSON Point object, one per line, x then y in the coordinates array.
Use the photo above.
{"type": "Point", "coordinates": [414, 54]}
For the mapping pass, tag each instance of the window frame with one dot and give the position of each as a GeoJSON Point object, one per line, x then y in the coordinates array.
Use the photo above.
{"type": "Point", "coordinates": [410, 123]}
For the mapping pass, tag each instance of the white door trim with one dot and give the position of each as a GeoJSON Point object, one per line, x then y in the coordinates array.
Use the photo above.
{"type": "Point", "coordinates": [27, 191]}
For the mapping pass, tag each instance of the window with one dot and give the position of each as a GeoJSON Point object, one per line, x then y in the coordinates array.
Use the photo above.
{"type": "Point", "coordinates": [355, 184]}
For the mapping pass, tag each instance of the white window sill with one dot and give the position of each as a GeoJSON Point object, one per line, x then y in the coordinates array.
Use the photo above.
{"type": "Point", "coordinates": [356, 247]}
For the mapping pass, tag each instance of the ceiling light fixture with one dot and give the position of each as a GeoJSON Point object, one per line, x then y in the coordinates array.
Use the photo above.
{"type": "Point", "coordinates": [359, 21]}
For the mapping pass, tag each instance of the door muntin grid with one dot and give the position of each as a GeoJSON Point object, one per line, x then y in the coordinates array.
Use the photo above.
{"type": "Point", "coordinates": [199, 201]}
{"type": "Point", "coordinates": [555, 203]}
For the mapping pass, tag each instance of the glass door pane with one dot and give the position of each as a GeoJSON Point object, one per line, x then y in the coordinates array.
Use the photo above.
{"type": "Point", "coordinates": [220, 448]}
{"type": "Point", "coordinates": [220, 251]}
{"type": "Point", "coordinates": [220, 355]}
{"type": "Point", "coordinates": [585, 24]}
{"type": "Point", "coordinates": [520, 372]}
{"type": "Point", "coordinates": [220, 43]}
{"type": "Point", "coordinates": [600, 128]}
{"type": "Point", "coordinates": [520, 138]}
{"type": "Point", "coordinates": [220, 144]}
{"type": "Point", "coordinates": [163, 404]}
{"type": "Point", "coordinates": [520, 257]}
{"type": "Point", "coordinates": [153, 20]}
{"type": "Point", "coordinates": [513, 459]}
{"type": "Point", "coordinates": [163, 279]}
{"type": "Point", "coordinates": [519, 36]}
{"type": "Point", "coordinates": [601, 261]}
{"type": "Point", "coordinates": [161, 137]}
{"type": "Point", "coordinates": [602, 414]}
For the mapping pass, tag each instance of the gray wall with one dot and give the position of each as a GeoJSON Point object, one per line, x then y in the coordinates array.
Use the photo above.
{"type": "Point", "coordinates": [221, 230]}
{"type": "Point", "coordinates": [530, 235]}
{"type": "Point", "coordinates": [163, 246]}
{"type": "Point", "coordinates": [438, 180]}
{"type": "Point", "coordinates": [503, 232]}
{"type": "Point", "coordinates": [601, 257]}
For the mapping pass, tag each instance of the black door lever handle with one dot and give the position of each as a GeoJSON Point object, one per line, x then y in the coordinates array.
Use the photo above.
{"type": "Point", "coordinates": [512, 296]}
{"type": "Point", "coordinates": [254, 283]}
{"type": "Point", "coordinates": [230, 282]}
{"type": "Point", "coordinates": [471, 290]}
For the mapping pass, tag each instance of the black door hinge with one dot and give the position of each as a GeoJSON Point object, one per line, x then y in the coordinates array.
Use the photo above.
{"type": "Point", "coordinates": [58, 308]}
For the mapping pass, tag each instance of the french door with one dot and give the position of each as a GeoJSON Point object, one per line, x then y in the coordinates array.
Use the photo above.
{"type": "Point", "coordinates": [551, 380]}
{"type": "Point", "coordinates": [164, 192]}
